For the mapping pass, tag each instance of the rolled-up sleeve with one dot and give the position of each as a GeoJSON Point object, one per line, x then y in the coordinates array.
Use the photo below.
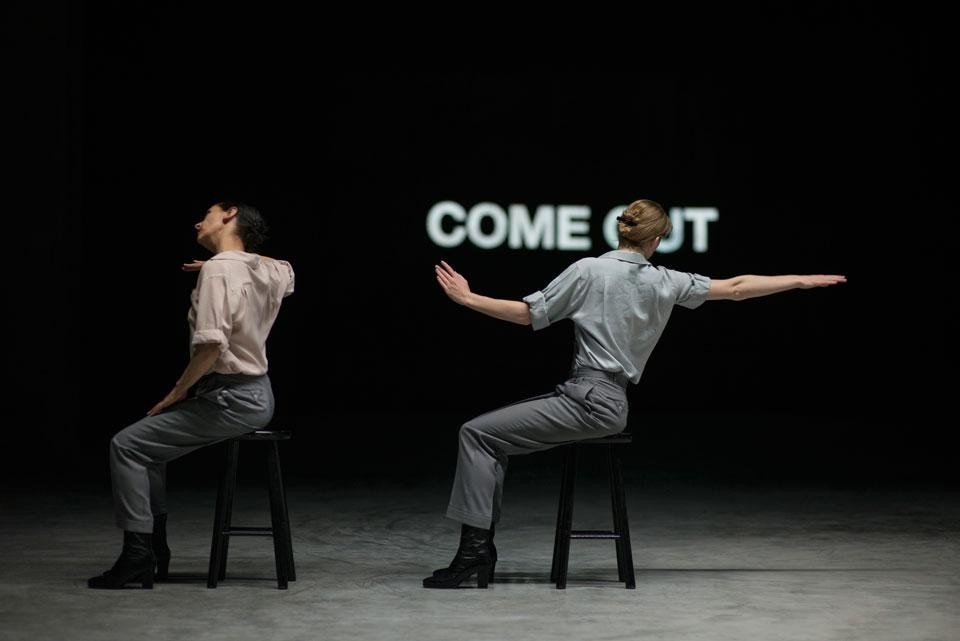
{"type": "Point", "coordinates": [286, 276]}
{"type": "Point", "coordinates": [214, 321]}
{"type": "Point", "coordinates": [556, 301]}
{"type": "Point", "coordinates": [690, 289]}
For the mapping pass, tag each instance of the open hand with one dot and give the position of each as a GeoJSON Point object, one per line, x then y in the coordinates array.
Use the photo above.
{"type": "Point", "coordinates": [821, 280]}
{"type": "Point", "coordinates": [454, 285]}
{"type": "Point", "coordinates": [175, 396]}
{"type": "Point", "coordinates": [193, 266]}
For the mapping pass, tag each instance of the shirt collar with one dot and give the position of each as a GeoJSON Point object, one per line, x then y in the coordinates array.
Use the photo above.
{"type": "Point", "coordinates": [628, 257]}
{"type": "Point", "coordinates": [250, 259]}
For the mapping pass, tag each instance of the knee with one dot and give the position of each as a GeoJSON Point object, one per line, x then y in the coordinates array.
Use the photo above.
{"type": "Point", "coordinates": [474, 435]}
{"type": "Point", "coordinates": [116, 447]}
{"type": "Point", "coordinates": [120, 445]}
{"type": "Point", "coordinates": [469, 431]}
{"type": "Point", "coordinates": [472, 427]}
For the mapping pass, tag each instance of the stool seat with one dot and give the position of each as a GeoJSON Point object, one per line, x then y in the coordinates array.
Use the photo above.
{"type": "Point", "coordinates": [623, 438]}
{"type": "Point", "coordinates": [266, 435]}
{"type": "Point", "coordinates": [620, 534]}
{"type": "Point", "coordinates": [279, 527]}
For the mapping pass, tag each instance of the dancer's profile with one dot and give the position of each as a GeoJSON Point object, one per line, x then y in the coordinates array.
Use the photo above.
{"type": "Point", "coordinates": [233, 307]}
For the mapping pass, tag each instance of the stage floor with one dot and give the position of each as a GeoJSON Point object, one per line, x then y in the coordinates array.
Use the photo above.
{"type": "Point", "coordinates": [713, 562]}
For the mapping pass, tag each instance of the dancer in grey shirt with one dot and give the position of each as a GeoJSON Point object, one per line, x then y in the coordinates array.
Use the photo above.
{"type": "Point", "coordinates": [233, 307]}
{"type": "Point", "coordinates": [619, 304]}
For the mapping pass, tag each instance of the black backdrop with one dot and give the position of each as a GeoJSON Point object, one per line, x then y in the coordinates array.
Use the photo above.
{"type": "Point", "coordinates": [814, 135]}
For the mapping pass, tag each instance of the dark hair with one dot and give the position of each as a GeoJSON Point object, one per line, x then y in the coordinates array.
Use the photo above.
{"type": "Point", "coordinates": [251, 227]}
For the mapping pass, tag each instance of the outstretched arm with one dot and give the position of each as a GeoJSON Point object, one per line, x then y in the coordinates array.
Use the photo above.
{"type": "Point", "coordinates": [456, 287]}
{"type": "Point", "coordinates": [195, 264]}
{"type": "Point", "coordinates": [750, 286]}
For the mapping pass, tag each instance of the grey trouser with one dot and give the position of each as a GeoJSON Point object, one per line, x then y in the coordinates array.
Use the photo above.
{"type": "Point", "coordinates": [590, 404]}
{"type": "Point", "coordinates": [225, 406]}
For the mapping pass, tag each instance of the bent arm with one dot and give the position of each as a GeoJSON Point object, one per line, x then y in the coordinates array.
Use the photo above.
{"type": "Point", "coordinates": [455, 286]}
{"type": "Point", "coordinates": [203, 359]}
{"type": "Point", "coordinates": [750, 286]}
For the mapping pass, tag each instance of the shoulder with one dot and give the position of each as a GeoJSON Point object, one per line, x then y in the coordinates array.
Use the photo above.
{"type": "Point", "coordinates": [213, 268]}
{"type": "Point", "coordinates": [278, 264]}
{"type": "Point", "coordinates": [588, 265]}
{"type": "Point", "coordinates": [671, 274]}
{"type": "Point", "coordinates": [686, 285]}
{"type": "Point", "coordinates": [230, 263]}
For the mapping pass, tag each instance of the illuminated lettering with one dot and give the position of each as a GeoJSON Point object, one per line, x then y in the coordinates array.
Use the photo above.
{"type": "Point", "coordinates": [564, 227]}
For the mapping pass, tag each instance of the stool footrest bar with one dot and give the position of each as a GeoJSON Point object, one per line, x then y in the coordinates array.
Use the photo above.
{"type": "Point", "coordinates": [593, 534]}
{"type": "Point", "coordinates": [249, 531]}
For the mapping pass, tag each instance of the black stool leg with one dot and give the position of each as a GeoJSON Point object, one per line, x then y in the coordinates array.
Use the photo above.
{"type": "Point", "coordinates": [285, 518]}
{"type": "Point", "coordinates": [570, 479]}
{"type": "Point", "coordinates": [281, 533]}
{"type": "Point", "coordinates": [624, 549]}
{"type": "Point", "coordinates": [231, 497]}
{"type": "Point", "coordinates": [615, 508]}
{"type": "Point", "coordinates": [221, 519]}
{"type": "Point", "coordinates": [558, 532]}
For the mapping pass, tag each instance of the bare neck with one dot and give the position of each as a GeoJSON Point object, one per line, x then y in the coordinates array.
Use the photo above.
{"type": "Point", "coordinates": [646, 252]}
{"type": "Point", "coordinates": [226, 243]}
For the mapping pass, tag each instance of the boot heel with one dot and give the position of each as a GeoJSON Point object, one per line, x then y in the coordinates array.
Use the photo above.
{"type": "Point", "coordinates": [483, 576]}
{"type": "Point", "coordinates": [163, 568]}
{"type": "Point", "coordinates": [474, 557]}
{"type": "Point", "coordinates": [135, 565]}
{"type": "Point", "coordinates": [493, 566]}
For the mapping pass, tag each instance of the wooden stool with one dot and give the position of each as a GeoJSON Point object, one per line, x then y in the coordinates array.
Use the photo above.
{"type": "Point", "coordinates": [621, 529]}
{"type": "Point", "coordinates": [279, 521]}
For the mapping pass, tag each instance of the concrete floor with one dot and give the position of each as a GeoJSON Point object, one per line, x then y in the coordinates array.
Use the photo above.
{"type": "Point", "coordinates": [712, 563]}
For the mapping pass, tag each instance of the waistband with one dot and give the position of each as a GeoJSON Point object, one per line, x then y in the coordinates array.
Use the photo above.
{"type": "Point", "coordinates": [618, 378]}
{"type": "Point", "coordinates": [231, 379]}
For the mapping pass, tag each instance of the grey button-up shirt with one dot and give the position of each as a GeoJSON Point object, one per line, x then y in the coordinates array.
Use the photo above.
{"type": "Point", "coordinates": [619, 304]}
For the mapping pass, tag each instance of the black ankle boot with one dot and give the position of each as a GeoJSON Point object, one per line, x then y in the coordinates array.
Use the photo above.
{"type": "Point", "coordinates": [135, 564]}
{"type": "Point", "coordinates": [161, 551]}
{"type": "Point", "coordinates": [472, 558]}
{"type": "Point", "coordinates": [493, 559]}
